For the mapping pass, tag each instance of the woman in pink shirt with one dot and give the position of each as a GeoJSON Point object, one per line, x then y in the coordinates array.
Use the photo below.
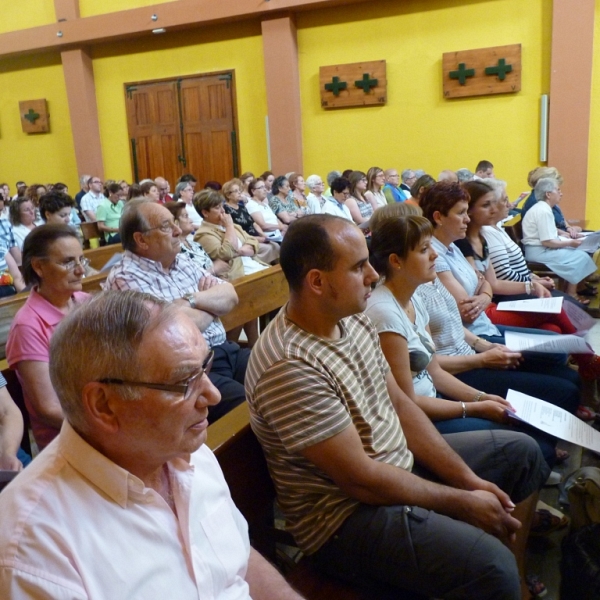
{"type": "Point", "coordinates": [53, 263]}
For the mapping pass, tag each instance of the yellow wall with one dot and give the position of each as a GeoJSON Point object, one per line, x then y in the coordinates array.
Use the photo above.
{"type": "Point", "coordinates": [42, 157]}
{"type": "Point", "coordinates": [201, 51]}
{"type": "Point", "coordinates": [592, 213]}
{"type": "Point", "coordinates": [22, 14]}
{"type": "Point", "coordinates": [418, 128]}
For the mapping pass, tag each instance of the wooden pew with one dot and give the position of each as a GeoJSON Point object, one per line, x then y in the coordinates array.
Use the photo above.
{"type": "Point", "coordinates": [98, 257]}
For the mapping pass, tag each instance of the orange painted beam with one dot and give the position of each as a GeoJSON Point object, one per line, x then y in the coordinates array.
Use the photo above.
{"type": "Point", "coordinates": [81, 95]}
{"type": "Point", "coordinates": [570, 98]}
{"type": "Point", "coordinates": [280, 49]}
{"type": "Point", "coordinates": [128, 24]}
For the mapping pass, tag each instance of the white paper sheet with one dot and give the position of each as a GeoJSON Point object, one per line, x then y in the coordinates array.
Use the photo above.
{"type": "Point", "coordinates": [591, 242]}
{"type": "Point", "coordinates": [537, 305]}
{"type": "Point", "coordinates": [581, 320]}
{"type": "Point", "coordinates": [553, 420]}
{"type": "Point", "coordinates": [570, 344]}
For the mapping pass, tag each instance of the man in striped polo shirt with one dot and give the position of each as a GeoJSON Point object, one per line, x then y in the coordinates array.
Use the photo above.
{"type": "Point", "coordinates": [358, 485]}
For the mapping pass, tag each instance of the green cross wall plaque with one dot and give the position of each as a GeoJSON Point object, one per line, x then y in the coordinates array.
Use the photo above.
{"type": "Point", "coordinates": [34, 116]}
{"type": "Point", "coordinates": [482, 71]}
{"type": "Point", "coordinates": [362, 84]}
{"type": "Point", "coordinates": [462, 74]}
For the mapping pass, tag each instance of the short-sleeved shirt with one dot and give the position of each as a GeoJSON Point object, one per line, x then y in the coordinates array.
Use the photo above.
{"type": "Point", "coordinates": [91, 202]}
{"type": "Point", "coordinates": [302, 390]}
{"type": "Point", "coordinates": [445, 323]}
{"type": "Point", "coordinates": [388, 316]}
{"type": "Point", "coordinates": [268, 215]}
{"type": "Point", "coordinates": [110, 214]}
{"type": "Point", "coordinates": [451, 259]}
{"type": "Point", "coordinates": [539, 225]}
{"type": "Point", "coordinates": [289, 205]}
{"type": "Point", "coordinates": [338, 209]}
{"type": "Point", "coordinates": [482, 262]}
{"type": "Point", "coordinates": [29, 339]}
{"type": "Point", "coordinates": [135, 272]}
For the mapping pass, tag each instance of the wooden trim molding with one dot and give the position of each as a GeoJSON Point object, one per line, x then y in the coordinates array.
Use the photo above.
{"type": "Point", "coordinates": [136, 22]}
{"type": "Point", "coordinates": [570, 98]}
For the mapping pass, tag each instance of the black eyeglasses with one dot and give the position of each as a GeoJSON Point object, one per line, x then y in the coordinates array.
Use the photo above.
{"type": "Point", "coordinates": [189, 389]}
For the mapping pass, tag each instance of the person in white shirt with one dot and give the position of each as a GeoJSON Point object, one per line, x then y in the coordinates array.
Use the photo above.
{"type": "Point", "coordinates": [316, 198]}
{"type": "Point", "coordinates": [91, 201]}
{"type": "Point", "coordinates": [127, 502]}
{"type": "Point", "coordinates": [336, 204]}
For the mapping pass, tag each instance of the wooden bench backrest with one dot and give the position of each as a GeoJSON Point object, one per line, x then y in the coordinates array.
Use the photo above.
{"type": "Point", "coordinates": [98, 257]}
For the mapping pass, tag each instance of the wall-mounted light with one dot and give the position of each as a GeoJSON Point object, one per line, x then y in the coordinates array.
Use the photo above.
{"type": "Point", "coordinates": [154, 17]}
{"type": "Point", "coordinates": [59, 34]}
{"type": "Point", "coordinates": [159, 30]}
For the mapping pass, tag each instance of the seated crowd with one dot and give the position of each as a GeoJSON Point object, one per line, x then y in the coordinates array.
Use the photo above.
{"type": "Point", "coordinates": [378, 393]}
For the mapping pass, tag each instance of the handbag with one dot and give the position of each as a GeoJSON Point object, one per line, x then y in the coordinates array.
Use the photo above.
{"type": "Point", "coordinates": [582, 488]}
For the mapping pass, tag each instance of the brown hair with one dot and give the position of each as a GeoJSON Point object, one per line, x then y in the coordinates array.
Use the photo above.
{"type": "Point", "coordinates": [441, 197]}
{"type": "Point", "coordinates": [396, 236]}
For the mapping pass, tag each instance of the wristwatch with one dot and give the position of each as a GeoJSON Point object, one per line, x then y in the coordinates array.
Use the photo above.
{"type": "Point", "coordinates": [190, 299]}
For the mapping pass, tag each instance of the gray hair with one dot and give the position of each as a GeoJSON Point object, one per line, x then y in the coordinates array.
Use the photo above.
{"type": "Point", "coordinates": [312, 180]}
{"type": "Point", "coordinates": [332, 175]}
{"type": "Point", "coordinates": [100, 339]}
{"type": "Point", "coordinates": [544, 185]}
{"type": "Point", "coordinates": [419, 173]}
{"type": "Point", "coordinates": [406, 174]}
{"type": "Point", "coordinates": [132, 221]}
{"type": "Point", "coordinates": [464, 175]}
{"type": "Point", "coordinates": [179, 188]}
{"type": "Point", "coordinates": [84, 179]}
{"type": "Point", "coordinates": [497, 185]}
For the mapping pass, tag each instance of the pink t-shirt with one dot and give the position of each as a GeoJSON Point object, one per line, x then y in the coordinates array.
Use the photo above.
{"type": "Point", "coordinates": [29, 339]}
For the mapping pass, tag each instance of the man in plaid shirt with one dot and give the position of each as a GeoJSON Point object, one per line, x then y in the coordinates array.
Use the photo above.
{"type": "Point", "coordinates": [152, 263]}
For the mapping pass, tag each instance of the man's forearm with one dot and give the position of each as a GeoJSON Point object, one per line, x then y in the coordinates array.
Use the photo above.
{"type": "Point", "coordinates": [201, 318]}
{"type": "Point", "coordinates": [265, 581]}
{"type": "Point", "coordinates": [218, 300]}
{"type": "Point", "coordinates": [428, 446]}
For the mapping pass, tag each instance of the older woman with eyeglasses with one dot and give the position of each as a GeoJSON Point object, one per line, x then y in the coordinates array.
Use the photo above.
{"type": "Point", "coordinates": [315, 199]}
{"type": "Point", "coordinates": [543, 244]}
{"type": "Point", "coordinates": [53, 263]}
{"type": "Point", "coordinates": [184, 192]}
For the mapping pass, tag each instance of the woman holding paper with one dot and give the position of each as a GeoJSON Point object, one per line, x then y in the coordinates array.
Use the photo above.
{"type": "Point", "coordinates": [401, 251]}
{"type": "Point", "coordinates": [542, 243]}
{"type": "Point", "coordinates": [446, 207]}
{"type": "Point", "coordinates": [482, 211]}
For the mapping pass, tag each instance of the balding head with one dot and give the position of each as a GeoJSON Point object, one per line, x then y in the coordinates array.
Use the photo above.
{"type": "Point", "coordinates": [448, 175]}
{"type": "Point", "coordinates": [148, 230]}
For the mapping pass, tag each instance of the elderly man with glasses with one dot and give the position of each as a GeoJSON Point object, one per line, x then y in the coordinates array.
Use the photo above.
{"type": "Point", "coordinates": [152, 263]}
{"type": "Point", "coordinates": [128, 502]}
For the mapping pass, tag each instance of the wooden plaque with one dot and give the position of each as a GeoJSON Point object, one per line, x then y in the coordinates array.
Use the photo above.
{"type": "Point", "coordinates": [355, 84]}
{"type": "Point", "coordinates": [34, 116]}
{"type": "Point", "coordinates": [481, 72]}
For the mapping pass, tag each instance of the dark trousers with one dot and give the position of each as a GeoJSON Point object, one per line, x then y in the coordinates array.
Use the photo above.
{"type": "Point", "coordinates": [411, 548]}
{"type": "Point", "coordinates": [227, 374]}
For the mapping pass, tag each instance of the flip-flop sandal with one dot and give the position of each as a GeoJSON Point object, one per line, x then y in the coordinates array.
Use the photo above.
{"type": "Point", "coordinates": [581, 299]}
{"type": "Point", "coordinates": [547, 522]}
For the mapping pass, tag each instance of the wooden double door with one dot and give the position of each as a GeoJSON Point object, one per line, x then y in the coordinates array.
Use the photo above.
{"type": "Point", "coordinates": [184, 125]}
